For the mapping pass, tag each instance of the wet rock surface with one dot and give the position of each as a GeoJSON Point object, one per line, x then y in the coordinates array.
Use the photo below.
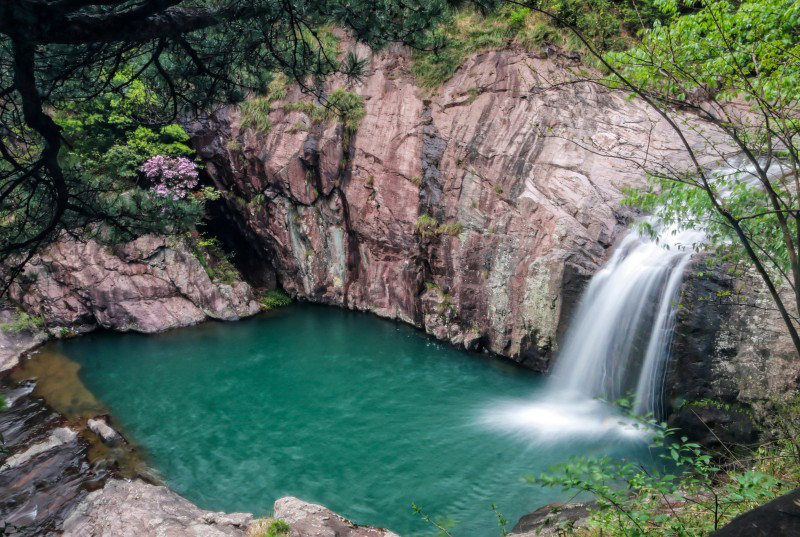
{"type": "Point", "coordinates": [552, 520]}
{"type": "Point", "coordinates": [45, 470]}
{"type": "Point", "coordinates": [731, 357]}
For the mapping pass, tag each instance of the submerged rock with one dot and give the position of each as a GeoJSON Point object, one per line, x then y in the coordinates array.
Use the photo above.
{"type": "Point", "coordinates": [45, 470]}
{"type": "Point", "coordinates": [101, 428]}
{"type": "Point", "coordinates": [312, 520]}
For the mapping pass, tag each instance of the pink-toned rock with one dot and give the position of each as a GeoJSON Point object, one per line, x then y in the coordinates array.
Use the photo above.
{"type": "Point", "coordinates": [312, 520]}
{"type": "Point", "coordinates": [148, 285]}
{"type": "Point", "coordinates": [528, 217]}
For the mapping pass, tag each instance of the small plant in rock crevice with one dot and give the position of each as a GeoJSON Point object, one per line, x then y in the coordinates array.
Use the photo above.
{"type": "Point", "coordinates": [428, 225]}
{"type": "Point", "coordinates": [269, 527]}
{"type": "Point", "coordinates": [341, 105]}
{"type": "Point", "coordinates": [273, 299]}
{"type": "Point", "coordinates": [217, 263]}
{"type": "Point", "coordinates": [23, 322]}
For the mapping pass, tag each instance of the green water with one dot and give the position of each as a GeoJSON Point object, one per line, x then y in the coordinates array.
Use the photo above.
{"type": "Point", "coordinates": [357, 413]}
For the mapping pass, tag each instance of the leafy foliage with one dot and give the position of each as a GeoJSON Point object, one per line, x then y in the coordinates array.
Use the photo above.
{"type": "Point", "coordinates": [689, 494]}
{"type": "Point", "coordinates": [273, 299]}
{"type": "Point", "coordinates": [174, 59]}
{"type": "Point", "coordinates": [110, 157]}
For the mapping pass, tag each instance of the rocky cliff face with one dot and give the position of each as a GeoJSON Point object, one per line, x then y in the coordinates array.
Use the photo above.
{"type": "Point", "coordinates": [459, 212]}
{"type": "Point", "coordinates": [148, 285]}
{"type": "Point", "coordinates": [731, 356]}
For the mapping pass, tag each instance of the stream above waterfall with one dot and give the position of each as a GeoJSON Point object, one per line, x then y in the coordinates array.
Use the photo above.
{"type": "Point", "coordinates": [360, 414]}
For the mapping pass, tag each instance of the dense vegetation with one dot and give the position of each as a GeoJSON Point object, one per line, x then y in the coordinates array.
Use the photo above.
{"type": "Point", "coordinates": [610, 25]}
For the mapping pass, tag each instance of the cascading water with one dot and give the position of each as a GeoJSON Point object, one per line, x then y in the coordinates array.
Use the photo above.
{"type": "Point", "coordinates": [617, 345]}
{"type": "Point", "coordinates": [619, 342]}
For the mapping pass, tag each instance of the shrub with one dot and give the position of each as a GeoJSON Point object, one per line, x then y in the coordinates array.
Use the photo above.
{"type": "Point", "coordinates": [170, 177]}
{"type": "Point", "coordinates": [269, 527]}
{"type": "Point", "coordinates": [274, 299]}
{"type": "Point", "coordinates": [278, 528]}
{"type": "Point", "coordinates": [22, 323]}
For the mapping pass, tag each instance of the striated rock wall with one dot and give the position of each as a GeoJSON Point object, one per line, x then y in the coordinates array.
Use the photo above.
{"type": "Point", "coordinates": [731, 356]}
{"type": "Point", "coordinates": [148, 285]}
{"type": "Point", "coordinates": [522, 217]}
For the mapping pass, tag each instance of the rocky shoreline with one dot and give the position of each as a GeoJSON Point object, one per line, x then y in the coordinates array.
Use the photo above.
{"type": "Point", "coordinates": [62, 476]}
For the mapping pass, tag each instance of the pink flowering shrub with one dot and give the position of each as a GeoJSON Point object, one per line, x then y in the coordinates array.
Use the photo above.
{"type": "Point", "coordinates": [171, 177]}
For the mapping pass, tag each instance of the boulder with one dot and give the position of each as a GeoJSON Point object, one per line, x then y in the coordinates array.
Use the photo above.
{"type": "Point", "coordinates": [147, 285]}
{"type": "Point", "coordinates": [311, 520]}
{"type": "Point", "coordinates": [133, 507]}
{"type": "Point", "coordinates": [555, 519]}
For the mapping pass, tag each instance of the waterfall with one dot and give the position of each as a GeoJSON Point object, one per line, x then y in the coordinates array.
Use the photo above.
{"type": "Point", "coordinates": [618, 343]}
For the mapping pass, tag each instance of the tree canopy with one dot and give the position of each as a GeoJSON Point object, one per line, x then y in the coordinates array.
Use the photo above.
{"type": "Point", "coordinates": [130, 69]}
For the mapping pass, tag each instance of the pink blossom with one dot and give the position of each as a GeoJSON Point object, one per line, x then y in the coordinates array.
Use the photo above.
{"type": "Point", "coordinates": [172, 177]}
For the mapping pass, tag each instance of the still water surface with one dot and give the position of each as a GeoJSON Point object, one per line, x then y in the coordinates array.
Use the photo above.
{"type": "Point", "coordinates": [360, 414]}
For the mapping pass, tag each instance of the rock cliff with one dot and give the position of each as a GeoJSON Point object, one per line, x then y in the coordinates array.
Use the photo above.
{"type": "Point", "coordinates": [459, 212]}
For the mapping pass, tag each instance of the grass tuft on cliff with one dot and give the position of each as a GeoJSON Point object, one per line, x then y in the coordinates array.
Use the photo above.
{"type": "Point", "coordinates": [255, 112]}
{"type": "Point", "coordinates": [340, 105]}
{"type": "Point", "coordinates": [428, 225]}
{"type": "Point", "coordinates": [22, 323]}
